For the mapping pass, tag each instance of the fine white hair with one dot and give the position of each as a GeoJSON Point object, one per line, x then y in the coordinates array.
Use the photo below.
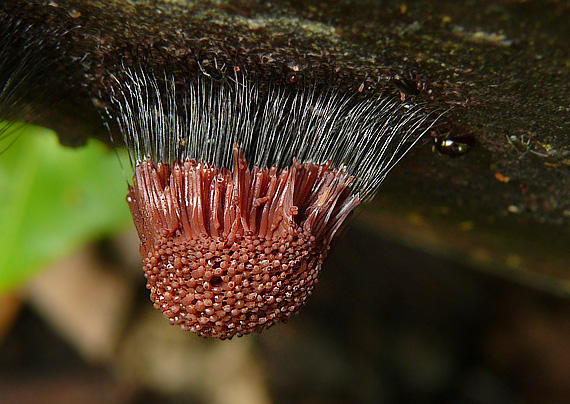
{"type": "Point", "coordinates": [365, 137]}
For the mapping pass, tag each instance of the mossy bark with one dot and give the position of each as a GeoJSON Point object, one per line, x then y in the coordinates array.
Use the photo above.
{"type": "Point", "coordinates": [499, 68]}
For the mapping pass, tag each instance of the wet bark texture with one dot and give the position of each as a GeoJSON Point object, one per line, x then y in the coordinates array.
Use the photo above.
{"type": "Point", "coordinates": [499, 68]}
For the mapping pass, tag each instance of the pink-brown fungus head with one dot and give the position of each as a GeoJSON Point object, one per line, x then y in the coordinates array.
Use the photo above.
{"type": "Point", "coordinates": [229, 252]}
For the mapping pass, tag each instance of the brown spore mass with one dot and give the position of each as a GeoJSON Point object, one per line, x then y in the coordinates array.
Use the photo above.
{"type": "Point", "coordinates": [229, 252]}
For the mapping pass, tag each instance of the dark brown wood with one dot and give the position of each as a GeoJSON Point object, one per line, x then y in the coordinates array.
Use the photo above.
{"type": "Point", "coordinates": [501, 66]}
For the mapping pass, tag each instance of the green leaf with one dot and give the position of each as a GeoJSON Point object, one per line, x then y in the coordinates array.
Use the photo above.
{"type": "Point", "coordinates": [54, 199]}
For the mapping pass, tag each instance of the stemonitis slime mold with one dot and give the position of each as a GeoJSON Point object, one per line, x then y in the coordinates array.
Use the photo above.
{"type": "Point", "coordinates": [238, 193]}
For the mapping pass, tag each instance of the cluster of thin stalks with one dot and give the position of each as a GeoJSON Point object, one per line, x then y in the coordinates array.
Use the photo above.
{"type": "Point", "coordinates": [202, 120]}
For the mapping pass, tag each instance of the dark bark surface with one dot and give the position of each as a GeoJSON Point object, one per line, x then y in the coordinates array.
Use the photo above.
{"type": "Point", "coordinates": [503, 68]}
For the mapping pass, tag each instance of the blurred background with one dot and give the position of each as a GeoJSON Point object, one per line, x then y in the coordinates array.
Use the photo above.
{"type": "Point", "coordinates": [388, 322]}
